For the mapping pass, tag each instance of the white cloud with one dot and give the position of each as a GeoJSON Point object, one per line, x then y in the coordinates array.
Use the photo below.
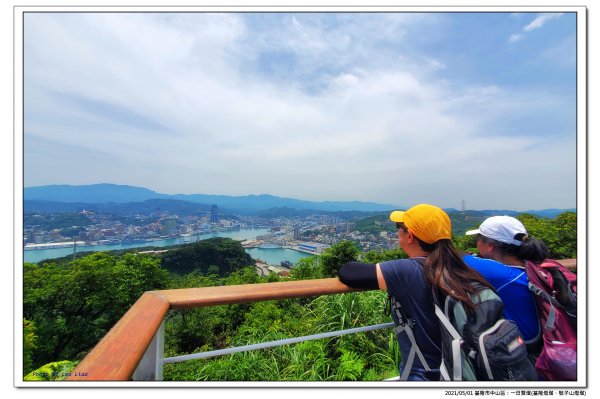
{"type": "Point", "coordinates": [314, 108]}
{"type": "Point", "coordinates": [541, 21]}
{"type": "Point", "coordinates": [515, 38]}
{"type": "Point", "coordinates": [537, 23]}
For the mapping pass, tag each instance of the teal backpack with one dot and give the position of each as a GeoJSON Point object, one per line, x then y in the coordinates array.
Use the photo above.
{"type": "Point", "coordinates": [476, 346]}
{"type": "Point", "coordinates": [481, 345]}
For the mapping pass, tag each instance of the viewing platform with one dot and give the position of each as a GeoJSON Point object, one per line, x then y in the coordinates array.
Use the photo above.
{"type": "Point", "coordinates": [134, 348]}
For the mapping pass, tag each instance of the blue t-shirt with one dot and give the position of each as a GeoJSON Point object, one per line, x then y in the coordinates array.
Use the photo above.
{"type": "Point", "coordinates": [511, 284]}
{"type": "Point", "coordinates": [406, 283]}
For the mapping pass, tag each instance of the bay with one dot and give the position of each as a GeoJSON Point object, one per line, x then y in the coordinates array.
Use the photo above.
{"type": "Point", "coordinates": [272, 256]}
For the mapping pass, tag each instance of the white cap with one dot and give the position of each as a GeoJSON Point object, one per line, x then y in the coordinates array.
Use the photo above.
{"type": "Point", "coordinates": [501, 228]}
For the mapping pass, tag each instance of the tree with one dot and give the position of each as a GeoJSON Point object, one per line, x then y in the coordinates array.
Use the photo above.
{"type": "Point", "coordinates": [383, 255]}
{"type": "Point", "coordinates": [74, 305]}
{"type": "Point", "coordinates": [29, 345]}
{"type": "Point", "coordinates": [222, 255]}
{"type": "Point", "coordinates": [567, 235]}
{"type": "Point", "coordinates": [335, 257]}
{"type": "Point", "coordinates": [560, 234]}
{"type": "Point", "coordinates": [307, 269]}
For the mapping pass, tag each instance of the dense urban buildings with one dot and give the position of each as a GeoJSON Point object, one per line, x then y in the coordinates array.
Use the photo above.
{"type": "Point", "coordinates": [312, 233]}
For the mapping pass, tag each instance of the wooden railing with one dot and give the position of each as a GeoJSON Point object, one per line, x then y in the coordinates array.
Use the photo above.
{"type": "Point", "coordinates": [117, 355]}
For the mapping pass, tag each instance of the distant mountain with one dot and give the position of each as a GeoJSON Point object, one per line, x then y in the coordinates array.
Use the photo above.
{"type": "Point", "coordinates": [501, 212]}
{"type": "Point", "coordinates": [93, 193]}
{"type": "Point", "coordinates": [545, 213]}
{"type": "Point", "coordinates": [550, 213]}
{"type": "Point", "coordinates": [254, 203]}
{"type": "Point", "coordinates": [105, 193]}
{"type": "Point", "coordinates": [148, 207]}
{"type": "Point", "coordinates": [249, 204]}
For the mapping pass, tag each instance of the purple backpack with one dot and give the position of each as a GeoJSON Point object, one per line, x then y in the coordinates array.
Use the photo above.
{"type": "Point", "coordinates": [555, 289]}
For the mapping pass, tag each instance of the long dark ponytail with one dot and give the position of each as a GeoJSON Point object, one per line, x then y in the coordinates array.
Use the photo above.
{"type": "Point", "coordinates": [531, 249]}
{"type": "Point", "coordinates": [448, 274]}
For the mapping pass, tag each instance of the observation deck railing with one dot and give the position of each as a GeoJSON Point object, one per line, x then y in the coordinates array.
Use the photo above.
{"type": "Point", "coordinates": [133, 349]}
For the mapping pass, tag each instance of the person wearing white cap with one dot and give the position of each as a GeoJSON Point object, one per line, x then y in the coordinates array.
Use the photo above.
{"type": "Point", "coordinates": [504, 246]}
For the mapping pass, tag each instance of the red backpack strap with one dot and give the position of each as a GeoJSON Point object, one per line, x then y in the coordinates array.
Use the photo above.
{"type": "Point", "coordinates": [544, 281]}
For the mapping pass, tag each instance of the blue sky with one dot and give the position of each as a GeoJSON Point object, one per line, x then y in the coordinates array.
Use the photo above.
{"type": "Point", "coordinates": [397, 108]}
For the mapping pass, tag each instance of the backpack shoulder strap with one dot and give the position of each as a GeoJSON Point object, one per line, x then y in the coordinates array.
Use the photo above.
{"type": "Point", "coordinates": [456, 341]}
{"type": "Point", "coordinates": [404, 324]}
{"type": "Point", "coordinates": [551, 301]}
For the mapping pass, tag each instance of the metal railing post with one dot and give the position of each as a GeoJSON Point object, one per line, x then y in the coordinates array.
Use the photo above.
{"type": "Point", "coordinates": [151, 366]}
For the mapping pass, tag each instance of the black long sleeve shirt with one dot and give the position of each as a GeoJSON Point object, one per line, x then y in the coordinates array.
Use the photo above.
{"type": "Point", "coordinates": [359, 275]}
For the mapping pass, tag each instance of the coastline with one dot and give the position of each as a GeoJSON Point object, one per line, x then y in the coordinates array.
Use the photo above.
{"type": "Point", "coordinates": [275, 255]}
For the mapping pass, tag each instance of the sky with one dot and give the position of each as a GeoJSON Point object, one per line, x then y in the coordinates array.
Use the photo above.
{"type": "Point", "coordinates": [395, 108]}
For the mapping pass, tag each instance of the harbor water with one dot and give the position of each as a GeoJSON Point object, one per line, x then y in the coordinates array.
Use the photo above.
{"type": "Point", "coordinates": [273, 256]}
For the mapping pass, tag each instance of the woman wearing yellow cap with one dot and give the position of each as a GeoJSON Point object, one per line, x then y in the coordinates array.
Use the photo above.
{"type": "Point", "coordinates": [424, 233]}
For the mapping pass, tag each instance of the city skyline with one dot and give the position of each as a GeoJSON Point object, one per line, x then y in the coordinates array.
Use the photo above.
{"type": "Point", "coordinates": [397, 108]}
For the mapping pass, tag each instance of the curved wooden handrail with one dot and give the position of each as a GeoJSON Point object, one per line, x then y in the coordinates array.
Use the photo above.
{"type": "Point", "coordinates": [117, 355]}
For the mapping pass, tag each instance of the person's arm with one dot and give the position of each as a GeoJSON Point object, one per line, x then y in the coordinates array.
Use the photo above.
{"type": "Point", "coordinates": [362, 275]}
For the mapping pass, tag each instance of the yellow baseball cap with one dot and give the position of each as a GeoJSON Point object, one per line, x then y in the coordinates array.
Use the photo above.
{"type": "Point", "coordinates": [428, 222]}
